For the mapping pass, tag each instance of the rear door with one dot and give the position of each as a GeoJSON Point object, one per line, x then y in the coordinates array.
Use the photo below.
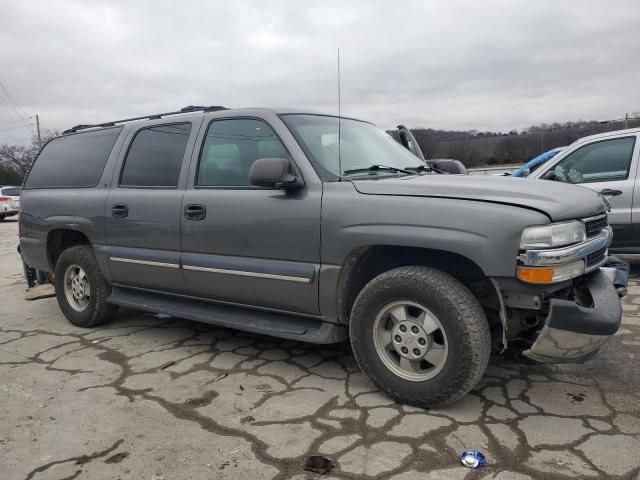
{"type": "Point", "coordinates": [143, 210]}
{"type": "Point", "coordinates": [607, 166]}
{"type": "Point", "coordinates": [244, 244]}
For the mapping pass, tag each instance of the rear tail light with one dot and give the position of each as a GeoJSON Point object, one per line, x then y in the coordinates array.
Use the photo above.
{"type": "Point", "coordinates": [4, 199]}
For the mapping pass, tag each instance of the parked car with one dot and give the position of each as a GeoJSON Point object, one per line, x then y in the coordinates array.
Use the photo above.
{"type": "Point", "coordinates": [535, 163]}
{"type": "Point", "coordinates": [9, 201]}
{"type": "Point", "coordinates": [608, 164]}
{"type": "Point", "coordinates": [317, 228]}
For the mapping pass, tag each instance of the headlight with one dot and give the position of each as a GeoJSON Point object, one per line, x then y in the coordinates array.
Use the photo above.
{"type": "Point", "coordinates": [552, 235]}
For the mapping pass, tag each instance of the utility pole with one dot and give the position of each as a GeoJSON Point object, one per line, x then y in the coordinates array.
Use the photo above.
{"type": "Point", "coordinates": [38, 128]}
{"type": "Point", "coordinates": [626, 120]}
{"type": "Point", "coordinates": [542, 140]}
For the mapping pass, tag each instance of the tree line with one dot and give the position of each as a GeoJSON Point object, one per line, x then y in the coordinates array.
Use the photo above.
{"type": "Point", "coordinates": [15, 160]}
{"type": "Point", "coordinates": [478, 149]}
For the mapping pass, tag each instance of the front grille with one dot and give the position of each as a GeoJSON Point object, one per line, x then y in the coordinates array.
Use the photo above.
{"type": "Point", "coordinates": [596, 257]}
{"type": "Point", "coordinates": [595, 225]}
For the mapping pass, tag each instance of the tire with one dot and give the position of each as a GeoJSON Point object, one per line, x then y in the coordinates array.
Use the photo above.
{"type": "Point", "coordinates": [430, 298]}
{"type": "Point", "coordinates": [2, 217]}
{"type": "Point", "coordinates": [88, 310]}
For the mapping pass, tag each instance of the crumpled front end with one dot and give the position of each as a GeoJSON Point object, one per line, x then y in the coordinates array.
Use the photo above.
{"type": "Point", "coordinates": [574, 332]}
{"type": "Point", "coordinates": [563, 306]}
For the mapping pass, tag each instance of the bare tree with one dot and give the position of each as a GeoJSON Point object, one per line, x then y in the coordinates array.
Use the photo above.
{"type": "Point", "coordinates": [18, 158]}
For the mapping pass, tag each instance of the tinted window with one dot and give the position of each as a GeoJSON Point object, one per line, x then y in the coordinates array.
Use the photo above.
{"type": "Point", "coordinates": [230, 148]}
{"type": "Point", "coordinates": [597, 162]}
{"type": "Point", "coordinates": [11, 191]}
{"type": "Point", "coordinates": [73, 160]}
{"type": "Point", "coordinates": [155, 156]}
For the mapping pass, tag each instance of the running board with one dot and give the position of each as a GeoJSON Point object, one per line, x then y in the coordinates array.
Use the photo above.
{"type": "Point", "coordinates": [266, 323]}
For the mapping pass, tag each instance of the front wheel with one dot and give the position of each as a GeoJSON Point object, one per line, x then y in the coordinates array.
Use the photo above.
{"type": "Point", "coordinates": [81, 289]}
{"type": "Point", "coordinates": [420, 335]}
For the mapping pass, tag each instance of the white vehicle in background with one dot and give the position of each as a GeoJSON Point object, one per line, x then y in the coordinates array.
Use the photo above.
{"type": "Point", "coordinates": [9, 201]}
{"type": "Point", "coordinates": [608, 164]}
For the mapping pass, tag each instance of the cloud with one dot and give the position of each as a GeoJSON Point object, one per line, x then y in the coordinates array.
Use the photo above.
{"type": "Point", "coordinates": [450, 64]}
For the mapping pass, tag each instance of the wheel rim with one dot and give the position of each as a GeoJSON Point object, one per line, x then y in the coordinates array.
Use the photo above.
{"type": "Point", "coordinates": [410, 340]}
{"type": "Point", "coordinates": [76, 288]}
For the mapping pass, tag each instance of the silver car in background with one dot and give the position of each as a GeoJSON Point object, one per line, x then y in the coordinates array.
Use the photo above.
{"type": "Point", "coordinates": [608, 164]}
{"type": "Point", "coordinates": [9, 201]}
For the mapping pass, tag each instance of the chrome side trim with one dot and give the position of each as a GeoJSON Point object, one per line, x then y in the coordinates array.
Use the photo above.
{"type": "Point", "coordinates": [558, 256]}
{"type": "Point", "coordinates": [145, 262]}
{"type": "Point", "coordinates": [247, 274]}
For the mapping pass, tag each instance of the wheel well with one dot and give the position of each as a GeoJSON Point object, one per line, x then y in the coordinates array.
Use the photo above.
{"type": "Point", "coordinates": [60, 239]}
{"type": "Point", "coordinates": [366, 263]}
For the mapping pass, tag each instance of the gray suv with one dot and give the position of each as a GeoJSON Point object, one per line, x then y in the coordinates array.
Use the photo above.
{"type": "Point", "coordinates": [317, 228]}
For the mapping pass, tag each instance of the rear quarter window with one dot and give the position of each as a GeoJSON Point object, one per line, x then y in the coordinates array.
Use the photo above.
{"type": "Point", "coordinates": [11, 191]}
{"type": "Point", "coordinates": [73, 161]}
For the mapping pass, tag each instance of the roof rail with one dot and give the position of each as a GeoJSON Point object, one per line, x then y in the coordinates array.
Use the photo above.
{"type": "Point", "coordinates": [155, 116]}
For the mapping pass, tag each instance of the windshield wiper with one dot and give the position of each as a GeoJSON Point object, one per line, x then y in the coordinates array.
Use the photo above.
{"type": "Point", "coordinates": [375, 168]}
{"type": "Point", "coordinates": [424, 168]}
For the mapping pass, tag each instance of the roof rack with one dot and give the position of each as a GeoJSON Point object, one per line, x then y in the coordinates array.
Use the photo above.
{"type": "Point", "coordinates": [155, 116]}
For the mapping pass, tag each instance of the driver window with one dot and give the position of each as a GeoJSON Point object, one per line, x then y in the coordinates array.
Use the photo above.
{"type": "Point", "coordinates": [597, 162]}
{"type": "Point", "coordinates": [230, 148]}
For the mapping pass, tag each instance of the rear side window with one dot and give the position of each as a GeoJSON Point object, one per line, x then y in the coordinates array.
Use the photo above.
{"type": "Point", "coordinates": [73, 160]}
{"type": "Point", "coordinates": [11, 191]}
{"type": "Point", "coordinates": [155, 156]}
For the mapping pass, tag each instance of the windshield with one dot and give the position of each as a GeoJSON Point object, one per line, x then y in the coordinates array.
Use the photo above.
{"type": "Point", "coordinates": [362, 145]}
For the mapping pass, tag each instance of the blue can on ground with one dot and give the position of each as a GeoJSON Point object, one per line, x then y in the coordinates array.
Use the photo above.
{"type": "Point", "coordinates": [472, 459]}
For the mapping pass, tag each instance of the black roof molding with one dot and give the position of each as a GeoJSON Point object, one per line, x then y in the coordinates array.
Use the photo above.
{"type": "Point", "coordinates": [155, 116]}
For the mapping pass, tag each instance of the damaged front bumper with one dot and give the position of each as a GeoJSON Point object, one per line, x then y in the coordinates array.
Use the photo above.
{"type": "Point", "coordinates": [573, 333]}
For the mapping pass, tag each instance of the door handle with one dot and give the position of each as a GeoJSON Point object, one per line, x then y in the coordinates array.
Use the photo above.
{"type": "Point", "coordinates": [611, 193]}
{"type": "Point", "coordinates": [195, 212]}
{"type": "Point", "coordinates": [120, 210]}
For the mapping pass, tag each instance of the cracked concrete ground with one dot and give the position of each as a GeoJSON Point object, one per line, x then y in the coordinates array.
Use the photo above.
{"type": "Point", "coordinates": [149, 398]}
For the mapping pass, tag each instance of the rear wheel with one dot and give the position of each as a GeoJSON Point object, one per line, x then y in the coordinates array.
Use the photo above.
{"type": "Point", "coordinates": [420, 335]}
{"type": "Point", "coordinates": [81, 289]}
{"type": "Point", "coordinates": [2, 217]}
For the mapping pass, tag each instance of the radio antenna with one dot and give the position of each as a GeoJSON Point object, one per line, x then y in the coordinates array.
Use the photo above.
{"type": "Point", "coordinates": [339, 121]}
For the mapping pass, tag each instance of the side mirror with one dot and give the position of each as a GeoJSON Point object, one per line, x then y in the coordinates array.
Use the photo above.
{"type": "Point", "coordinates": [274, 173]}
{"type": "Point", "coordinates": [550, 175]}
{"type": "Point", "coordinates": [526, 172]}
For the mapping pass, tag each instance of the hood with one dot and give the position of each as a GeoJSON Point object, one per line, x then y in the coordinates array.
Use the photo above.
{"type": "Point", "coordinates": [559, 201]}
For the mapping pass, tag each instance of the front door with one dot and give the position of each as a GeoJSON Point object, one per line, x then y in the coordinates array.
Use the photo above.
{"type": "Point", "coordinates": [243, 244]}
{"type": "Point", "coordinates": [605, 166]}
{"type": "Point", "coordinates": [143, 210]}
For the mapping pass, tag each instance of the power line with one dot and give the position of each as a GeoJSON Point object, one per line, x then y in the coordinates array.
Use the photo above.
{"type": "Point", "coordinates": [10, 136]}
{"type": "Point", "coordinates": [24, 128]}
{"type": "Point", "coordinates": [26, 121]}
{"type": "Point", "coordinates": [11, 110]}
{"type": "Point", "coordinates": [13, 102]}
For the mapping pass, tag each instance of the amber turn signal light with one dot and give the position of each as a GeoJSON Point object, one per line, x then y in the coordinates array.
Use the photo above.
{"type": "Point", "coordinates": [536, 275]}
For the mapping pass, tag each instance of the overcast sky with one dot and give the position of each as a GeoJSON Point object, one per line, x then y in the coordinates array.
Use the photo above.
{"type": "Point", "coordinates": [490, 65]}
